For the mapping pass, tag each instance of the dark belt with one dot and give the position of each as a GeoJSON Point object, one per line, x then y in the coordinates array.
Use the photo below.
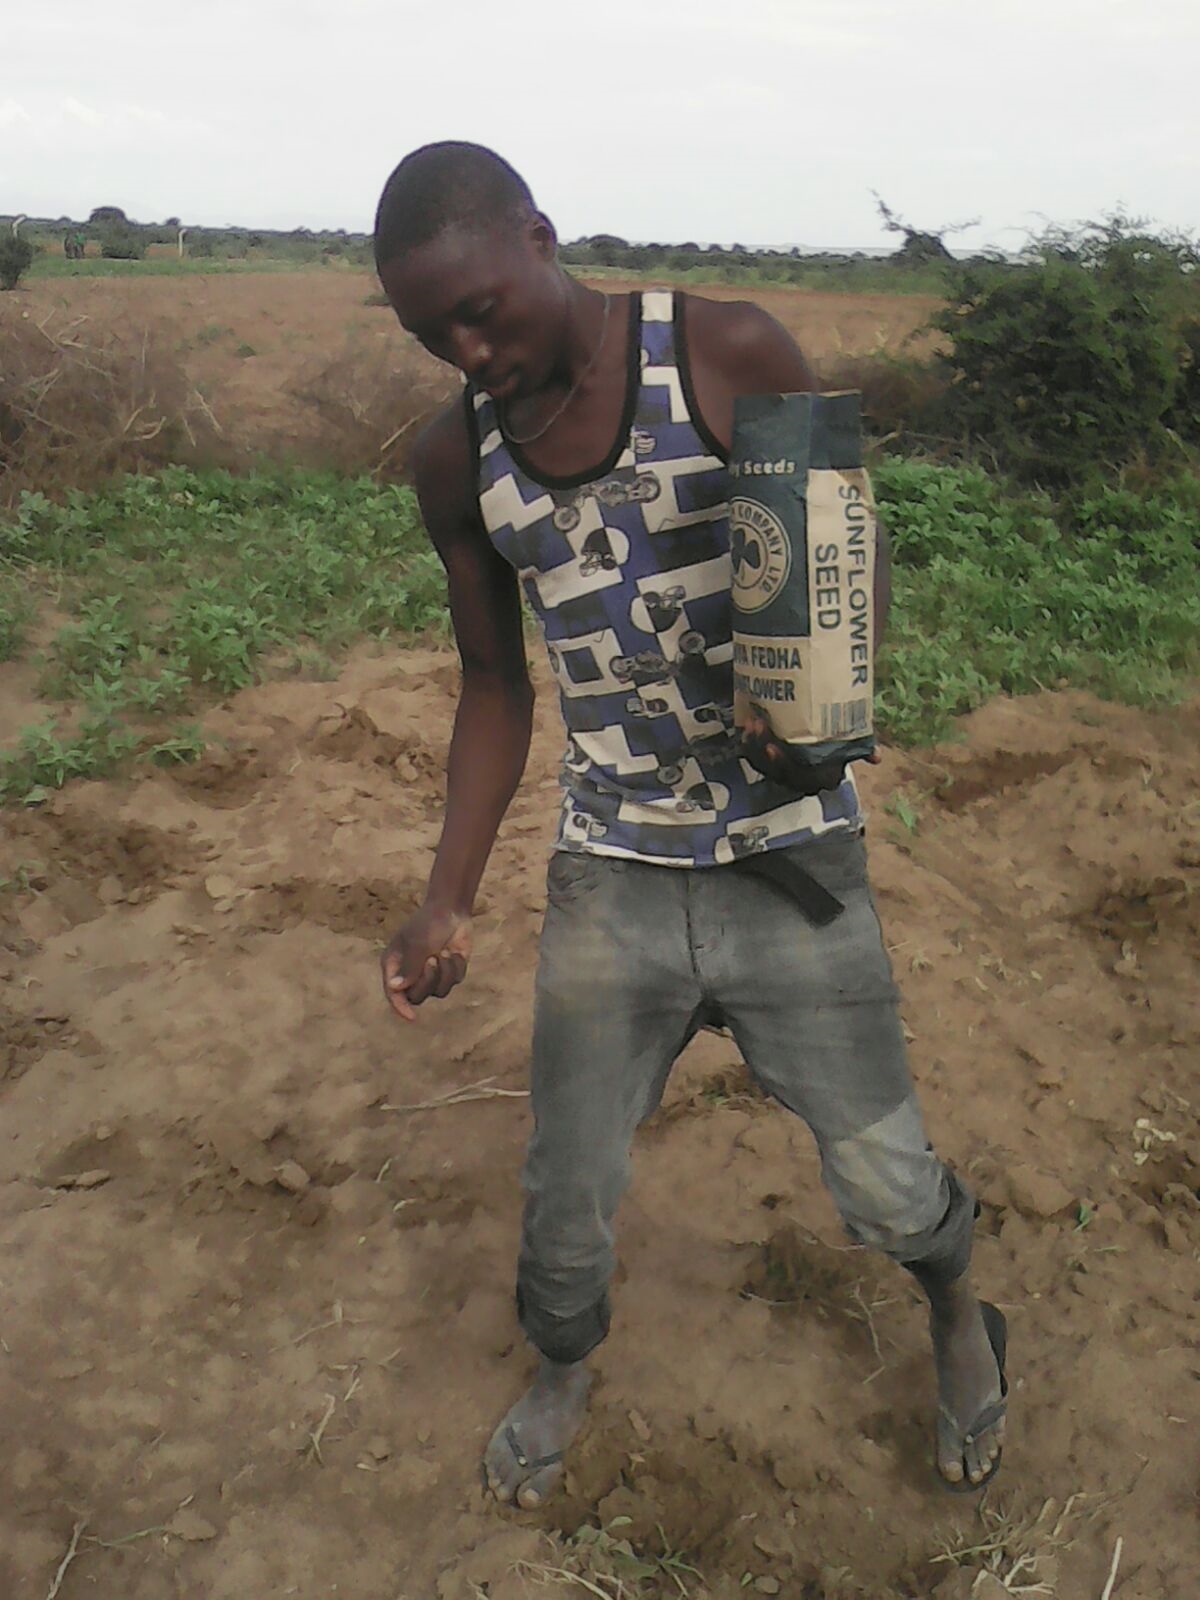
{"type": "Point", "coordinates": [813, 898]}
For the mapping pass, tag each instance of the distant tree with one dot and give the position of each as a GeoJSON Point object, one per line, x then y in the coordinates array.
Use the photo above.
{"type": "Point", "coordinates": [919, 245]}
{"type": "Point", "coordinates": [103, 214]}
{"type": "Point", "coordinates": [172, 222]}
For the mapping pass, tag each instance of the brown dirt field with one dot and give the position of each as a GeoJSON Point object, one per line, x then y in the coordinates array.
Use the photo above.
{"type": "Point", "coordinates": [315, 340]}
{"type": "Point", "coordinates": [221, 1241]}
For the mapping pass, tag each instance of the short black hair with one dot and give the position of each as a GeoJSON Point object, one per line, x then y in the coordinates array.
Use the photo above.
{"type": "Point", "coordinates": [451, 184]}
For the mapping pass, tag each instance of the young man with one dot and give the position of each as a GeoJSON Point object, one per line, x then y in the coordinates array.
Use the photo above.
{"type": "Point", "coordinates": [587, 463]}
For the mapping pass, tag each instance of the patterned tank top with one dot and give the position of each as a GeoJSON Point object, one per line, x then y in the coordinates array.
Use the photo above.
{"type": "Point", "coordinates": [627, 568]}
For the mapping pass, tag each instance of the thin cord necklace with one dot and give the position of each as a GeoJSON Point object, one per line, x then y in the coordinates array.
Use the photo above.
{"type": "Point", "coordinates": [529, 438]}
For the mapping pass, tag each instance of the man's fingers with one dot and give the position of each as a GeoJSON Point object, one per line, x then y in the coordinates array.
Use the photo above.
{"type": "Point", "coordinates": [422, 986]}
{"type": "Point", "coordinates": [434, 979]}
{"type": "Point", "coordinates": [754, 750]}
{"type": "Point", "coordinates": [777, 762]}
{"type": "Point", "coordinates": [452, 969]}
{"type": "Point", "coordinates": [396, 990]}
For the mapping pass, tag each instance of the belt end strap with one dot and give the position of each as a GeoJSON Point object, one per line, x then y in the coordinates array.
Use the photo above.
{"type": "Point", "coordinates": [813, 898]}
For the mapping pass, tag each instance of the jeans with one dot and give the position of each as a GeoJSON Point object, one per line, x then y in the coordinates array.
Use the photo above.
{"type": "Point", "coordinates": [634, 960]}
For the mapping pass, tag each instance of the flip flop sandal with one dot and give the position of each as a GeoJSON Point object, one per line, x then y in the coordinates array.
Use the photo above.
{"type": "Point", "coordinates": [523, 1461]}
{"type": "Point", "coordinates": [997, 1331]}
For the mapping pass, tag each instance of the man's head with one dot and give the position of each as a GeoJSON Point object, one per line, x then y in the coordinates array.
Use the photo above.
{"type": "Point", "coordinates": [469, 265]}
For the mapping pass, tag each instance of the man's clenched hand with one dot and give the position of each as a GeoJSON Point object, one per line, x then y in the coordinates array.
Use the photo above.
{"type": "Point", "coordinates": [771, 757]}
{"type": "Point", "coordinates": [428, 955]}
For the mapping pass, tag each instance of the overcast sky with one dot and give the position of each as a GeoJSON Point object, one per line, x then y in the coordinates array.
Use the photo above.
{"type": "Point", "coordinates": [764, 121]}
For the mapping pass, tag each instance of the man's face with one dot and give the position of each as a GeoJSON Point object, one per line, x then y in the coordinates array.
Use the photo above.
{"type": "Point", "coordinates": [492, 306]}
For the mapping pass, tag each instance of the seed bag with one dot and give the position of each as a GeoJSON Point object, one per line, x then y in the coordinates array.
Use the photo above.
{"type": "Point", "coordinates": [802, 542]}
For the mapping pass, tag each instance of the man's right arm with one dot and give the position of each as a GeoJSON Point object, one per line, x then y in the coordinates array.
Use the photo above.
{"type": "Point", "coordinates": [490, 744]}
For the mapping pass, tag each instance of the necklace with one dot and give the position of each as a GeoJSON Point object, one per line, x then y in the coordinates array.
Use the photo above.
{"type": "Point", "coordinates": [529, 438]}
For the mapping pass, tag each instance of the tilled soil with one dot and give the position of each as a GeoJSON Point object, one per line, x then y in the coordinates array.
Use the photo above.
{"type": "Point", "coordinates": [255, 1289]}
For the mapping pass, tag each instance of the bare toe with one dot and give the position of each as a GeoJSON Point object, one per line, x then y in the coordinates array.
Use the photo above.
{"type": "Point", "coordinates": [502, 1471]}
{"type": "Point", "coordinates": [540, 1486]}
{"type": "Point", "coordinates": [949, 1451]}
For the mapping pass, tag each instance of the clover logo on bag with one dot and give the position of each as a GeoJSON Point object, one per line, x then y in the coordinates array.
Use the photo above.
{"type": "Point", "coordinates": [760, 553]}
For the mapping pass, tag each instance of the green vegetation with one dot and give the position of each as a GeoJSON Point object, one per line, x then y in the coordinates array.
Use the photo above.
{"type": "Point", "coordinates": [1000, 592]}
{"type": "Point", "coordinates": [1082, 359]}
{"type": "Point", "coordinates": [110, 243]}
{"type": "Point", "coordinates": [1071, 560]}
{"type": "Point", "coordinates": [828, 274]}
{"type": "Point", "coordinates": [187, 586]}
{"type": "Point", "coordinates": [165, 266]}
{"type": "Point", "coordinates": [16, 256]}
{"type": "Point", "coordinates": [15, 613]}
{"type": "Point", "coordinates": [184, 586]}
{"type": "Point", "coordinates": [1061, 370]}
{"type": "Point", "coordinates": [120, 242]}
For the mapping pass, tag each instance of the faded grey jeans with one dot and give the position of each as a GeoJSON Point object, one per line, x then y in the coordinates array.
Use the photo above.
{"type": "Point", "coordinates": [634, 960]}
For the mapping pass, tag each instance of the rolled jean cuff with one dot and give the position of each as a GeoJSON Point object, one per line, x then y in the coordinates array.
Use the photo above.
{"type": "Point", "coordinates": [945, 1252]}
{"type": "Point", "coordinates": [563, 1339]}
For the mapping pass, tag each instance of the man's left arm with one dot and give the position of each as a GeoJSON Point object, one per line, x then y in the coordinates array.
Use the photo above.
{"type": "Point", "coordinates": [737, 348]}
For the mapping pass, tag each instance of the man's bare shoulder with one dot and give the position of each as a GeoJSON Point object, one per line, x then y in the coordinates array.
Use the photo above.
{"type": "Point", "coordinates": [746, 344]}
{"type": "Point", "coordinates": [444, 470]}
{"type": "Point", "coordinates": [442, 449]}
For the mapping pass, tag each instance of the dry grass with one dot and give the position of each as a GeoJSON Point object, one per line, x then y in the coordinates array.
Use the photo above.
{"type": "Point", "coordinates": [371, 399]}
{"type": "Point", "coordinates": [594, 1562]}
{"type": "Point", "coordinates": [80, 402]}
{"type": "Point", "coordinates": [1020, 1548]}
{"type": "Point", "coordinates": [86, 395]}
{"type": "Point", "coordinates": [901, 397]}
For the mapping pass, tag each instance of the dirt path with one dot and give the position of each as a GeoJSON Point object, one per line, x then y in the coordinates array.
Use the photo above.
{"type": "Point", "coordinates": [245, 1301]}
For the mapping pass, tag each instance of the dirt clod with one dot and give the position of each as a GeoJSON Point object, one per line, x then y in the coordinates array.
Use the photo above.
{"type": "Point", "coordinates": [1038, 1194]}
{"type": "Point", "coordinates": [290, 1175]}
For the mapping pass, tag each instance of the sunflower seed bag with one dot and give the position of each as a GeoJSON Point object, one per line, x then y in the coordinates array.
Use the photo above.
{"type": "Point", "coordinates": [802, 542]}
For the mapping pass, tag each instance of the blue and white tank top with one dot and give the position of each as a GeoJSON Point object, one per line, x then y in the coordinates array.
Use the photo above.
{"type": "Point", "coordinates": [627, 568]}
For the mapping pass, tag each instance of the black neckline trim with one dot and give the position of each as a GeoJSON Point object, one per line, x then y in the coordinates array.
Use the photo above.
{"type": "Point", "coordinates": [472, 422]}
{"type": "Point", "coordinates": [684, 366]}
{"type": "Point", "coordinates": [633, 381]}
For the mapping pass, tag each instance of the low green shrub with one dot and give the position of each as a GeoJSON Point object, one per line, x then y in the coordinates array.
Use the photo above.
{"type": "Point", "coordinates": [1078, 361]}
{"type": "Point", "coordinates": [1000, 593]}
{"type": "Point", "coordinates": [119, 242]}
{"type": "Point", "coordinates": [16, 258]}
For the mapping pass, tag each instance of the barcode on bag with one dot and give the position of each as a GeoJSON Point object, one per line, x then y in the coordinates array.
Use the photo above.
{"type": "Point", "coordinates": [840, 718]}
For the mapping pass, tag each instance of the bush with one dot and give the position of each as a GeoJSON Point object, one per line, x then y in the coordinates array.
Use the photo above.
{"type": "Point", "coordinates": [903, 399]}
{"type": "Point", "coordinates": [1078, 359]}
{"type": "Point", "coordinates": [1185, 414]}
{"type": "Point", "coordinates": [16, 256]}
{"type": "Point", "coordinates": [77, 405]}
{"type": "Point", "coordinates": [368, 403]}
{"type": "Point", "coordinates": [121, 243]}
